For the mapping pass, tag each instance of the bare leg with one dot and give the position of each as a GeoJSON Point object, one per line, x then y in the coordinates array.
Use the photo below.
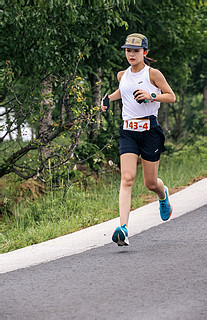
{"type": "Point", "coordinates": [128, 174]}
{"type": "Point", "coordinates": [151, 180]}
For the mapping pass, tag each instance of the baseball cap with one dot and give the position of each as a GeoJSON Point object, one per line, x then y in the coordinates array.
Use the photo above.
{"type": "Point", "coordinates": [136, 41]}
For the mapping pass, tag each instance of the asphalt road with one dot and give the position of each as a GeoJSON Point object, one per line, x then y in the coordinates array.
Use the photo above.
{"type": "Point", "coordinates": [161, 275]}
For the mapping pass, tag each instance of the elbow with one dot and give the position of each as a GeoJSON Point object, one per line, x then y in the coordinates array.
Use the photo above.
{"type": "Point", "coordinates": [173, 98]}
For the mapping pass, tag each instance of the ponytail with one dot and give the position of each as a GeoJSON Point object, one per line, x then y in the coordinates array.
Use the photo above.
{"type": "Point", "coordinates": [148, 60]}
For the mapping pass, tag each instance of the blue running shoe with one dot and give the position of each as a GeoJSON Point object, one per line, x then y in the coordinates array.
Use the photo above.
{"type": "Point", "coordinates": [120, 236]}
{"type": "Point", "coordinates": [165, 207]}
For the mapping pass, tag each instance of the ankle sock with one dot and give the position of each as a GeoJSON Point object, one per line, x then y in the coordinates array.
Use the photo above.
{"type": "Point", "coordinates": [164, 198]}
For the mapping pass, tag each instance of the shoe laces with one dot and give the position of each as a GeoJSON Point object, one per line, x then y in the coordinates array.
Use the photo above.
{"type": "Point", "coordinates": [163, 203]}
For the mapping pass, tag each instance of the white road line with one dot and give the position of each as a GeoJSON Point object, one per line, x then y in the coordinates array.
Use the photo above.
{"type": "Point", "coordinates": [141, 219]}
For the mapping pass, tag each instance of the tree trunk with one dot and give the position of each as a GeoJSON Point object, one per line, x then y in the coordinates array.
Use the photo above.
{"type": "Point", "coordinates": [63, 112]}
{"type": "Point", "coordinates": [45, 123]}
{"type": "Point", "coordinates": [9, 125]}
{"type": "Point", "coordinates": [96, 98]}
{"type": "Point", "coordinates": [19, 133]}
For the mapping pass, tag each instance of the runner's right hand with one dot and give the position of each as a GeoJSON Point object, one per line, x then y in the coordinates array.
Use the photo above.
{"type": "Point", "coordinates": [105, 107]}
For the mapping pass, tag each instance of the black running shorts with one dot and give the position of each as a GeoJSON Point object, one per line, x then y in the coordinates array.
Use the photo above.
{"type": "Point", "coordinates": [149, 144]}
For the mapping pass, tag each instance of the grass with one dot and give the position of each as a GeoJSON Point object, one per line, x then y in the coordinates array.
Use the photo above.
{"type": "Point", "coordinates": [70, 209]}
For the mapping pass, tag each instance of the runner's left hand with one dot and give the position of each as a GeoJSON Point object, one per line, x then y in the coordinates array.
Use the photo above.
{"type": "Point", "coordinates": [142, 95]}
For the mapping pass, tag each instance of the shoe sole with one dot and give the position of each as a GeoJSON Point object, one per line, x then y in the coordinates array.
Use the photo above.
{"type": "Point", "coordinates": [120, 238]}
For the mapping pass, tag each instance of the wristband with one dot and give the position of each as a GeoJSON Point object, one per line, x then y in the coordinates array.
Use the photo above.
{"type": "Point", "coordinates": [153, 96]}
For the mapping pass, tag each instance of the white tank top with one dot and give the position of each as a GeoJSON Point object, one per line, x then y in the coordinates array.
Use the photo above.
{"type": "Point", "coordinates": [131, 81]}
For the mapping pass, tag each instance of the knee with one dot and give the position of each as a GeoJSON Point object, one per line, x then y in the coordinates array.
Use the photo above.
{"type": "Point", "coordinates": [150, 185]}
{"type": "Point", "coordinates": [127, 180]}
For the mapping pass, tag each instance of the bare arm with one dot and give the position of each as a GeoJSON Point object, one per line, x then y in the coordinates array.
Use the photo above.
{"type": "Point", "coordinates": [159, 81]}
{"type": "Point", "coordinates": [157, 78]}
{"type": "Point", "coordinates": [116, 95]}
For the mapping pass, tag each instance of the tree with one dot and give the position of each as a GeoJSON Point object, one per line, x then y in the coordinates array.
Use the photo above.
{"type": "Point", "coordinates": [59, 55]}
{"type": "Point", "coordinates": [176, 40]}
{"type": "Point", "coordinates": [44, 42]}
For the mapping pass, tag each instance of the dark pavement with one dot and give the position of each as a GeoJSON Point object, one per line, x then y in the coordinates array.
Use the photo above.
{"type": "Point", "coordinates": [161, 275]}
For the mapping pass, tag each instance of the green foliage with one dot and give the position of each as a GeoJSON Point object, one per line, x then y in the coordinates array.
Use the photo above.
{"type": "Point", "coordinates": [180, 38]}
{"type": "Point", "coordinates": [187, 120]}
{"type": "Point", "coordinates": [60, 39]}
{"type": "Point", "coordinates": [107, 137]}
{"type": "Point", "coordinates": [48, 39]}
{"type": "Point", "coordinates": [91, 152]}
{"type": "Point", "coordinates": [50, 36]}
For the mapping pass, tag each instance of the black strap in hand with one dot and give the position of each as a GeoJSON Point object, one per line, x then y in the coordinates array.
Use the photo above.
{"type": "Point", "coordinates": [139, 101]}
{"type": "Point", "coordinates": [106, 101]}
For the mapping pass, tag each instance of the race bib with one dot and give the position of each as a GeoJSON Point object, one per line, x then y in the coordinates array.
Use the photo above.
{"type": "Point", "coordinates": [138, 125]}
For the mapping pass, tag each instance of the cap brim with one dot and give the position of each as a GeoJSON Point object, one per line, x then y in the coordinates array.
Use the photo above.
{"type": "Point", "coordinates": [131, 47]}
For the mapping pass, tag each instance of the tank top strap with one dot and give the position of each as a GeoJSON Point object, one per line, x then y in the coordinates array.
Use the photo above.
{"type": "Point", "coordinates": [146, 69]}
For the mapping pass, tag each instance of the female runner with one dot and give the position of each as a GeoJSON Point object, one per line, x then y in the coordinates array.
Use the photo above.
{"type": "Point", "coordinates": [141, 89]}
